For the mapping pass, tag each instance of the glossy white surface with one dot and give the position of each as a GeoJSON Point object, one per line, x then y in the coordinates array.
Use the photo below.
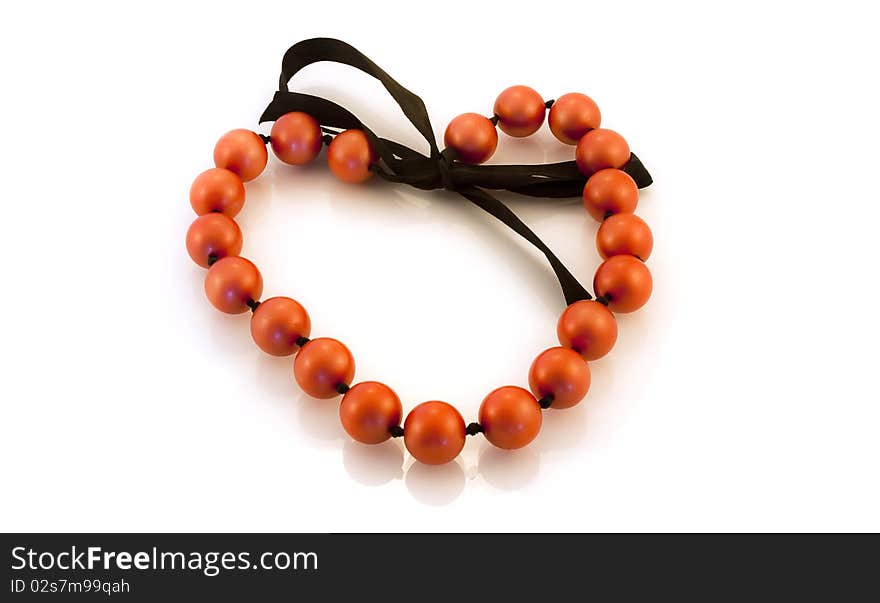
{"type": "Point", "coordinates": [743, 397]}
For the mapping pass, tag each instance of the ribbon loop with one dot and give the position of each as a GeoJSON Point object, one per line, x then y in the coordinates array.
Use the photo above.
{"type": "Point", "coordinates": [439, 170]}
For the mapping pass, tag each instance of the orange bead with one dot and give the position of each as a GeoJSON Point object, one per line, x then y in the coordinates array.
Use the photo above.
{"type": "Point", "coordinates": [561, 373]}
{"type": "Point", "coordinates": [212, 236]}
{"type": "Point", "coordinates": [368, 412]}
{"type": "Point", "coordinates": [434, 432]}
{"type": "Point", "coordinates": [321, 366]}
{"type": "Point", "coordinates": [217, 190]}
{"type": "Point", "coordinates": [588, 328]}
{"type": "Point", "coordinates": [472, 137]}
{"type": "Point", "coordinates": [624, 234]}
{"type": "Point", "coordinates": [511, 417]}
{"type": "Point", "coordinates": [610, 191]}
{"type": "Point", "coordinates": [573, 115]}
{"type": "Point", "coordinates": [350, 156]}
{"type": "Point", "coordinates": [599, 149]}
{"type": "Point", "coordinates": [243, 152]}
{"type": "Point", "coordinates": [296, 138]}
{"type": "Point", "coordinates": [520, 111]}
{"type": "Point", "coordinates": [277, 323]}
{"type": "Point", "coordinates": [231, 283]}
{"type": "Point", "coordinates": [625, 282]}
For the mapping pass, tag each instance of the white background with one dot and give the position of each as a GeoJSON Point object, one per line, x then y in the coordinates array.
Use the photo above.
{"type": "Point", "coordinates": [743, 397]}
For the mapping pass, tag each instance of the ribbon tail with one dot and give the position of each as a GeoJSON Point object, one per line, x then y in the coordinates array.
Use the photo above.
{"type": "Point", "coordinates": [572, 290]}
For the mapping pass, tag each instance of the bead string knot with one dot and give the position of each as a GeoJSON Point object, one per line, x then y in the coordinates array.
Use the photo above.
{"type": "Point", "coordinates": [474, 429]}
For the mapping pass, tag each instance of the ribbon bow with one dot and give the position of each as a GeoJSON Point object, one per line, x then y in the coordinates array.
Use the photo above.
{"type": "Point", "coordinates": [439, 170]}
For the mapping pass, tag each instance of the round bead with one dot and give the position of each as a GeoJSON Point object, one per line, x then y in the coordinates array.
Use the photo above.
{"type": "Point", "coordinates": [321, 366]}
{"type": "Point", "coordinates": [520, 111]}
{"type": "Point", "coordinates": [511, 417]}
{"type": "Point", "coordinates": [599, 149]}
{"type": "Point", "coordinates": [610, 191]}
{"type": "Point", "coordinates": [472, 137]}
{"type": "Point", "coordinates": [588, 328]}
{"type": "Point", "coordinates": [624, 234]}
{"type": "Point", "coordinates": [561, 373]}
{"type": "Point", "coordinates": [214, 235]}
{"type": "Point", "coordinates": [625, 282]}
{"type": "Point", "coordinates": [350, 155]}
{"type": "Point", "coordinates": [243, 152]}
{"type": "Point", "coordinates": [573, 115]}
{"type": "Point", "coordinates": [277, 323]}
{"type": "Point", "coordinates": [217, 190]}
{"type": "Point", "coordinates": [296, 138]}
{"type": "Point", "coordinates": [231, 283]}
{"type": "Point", "coordinates": [434, 432]}
{"type": "Point", "coordinates": [368, 412]}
